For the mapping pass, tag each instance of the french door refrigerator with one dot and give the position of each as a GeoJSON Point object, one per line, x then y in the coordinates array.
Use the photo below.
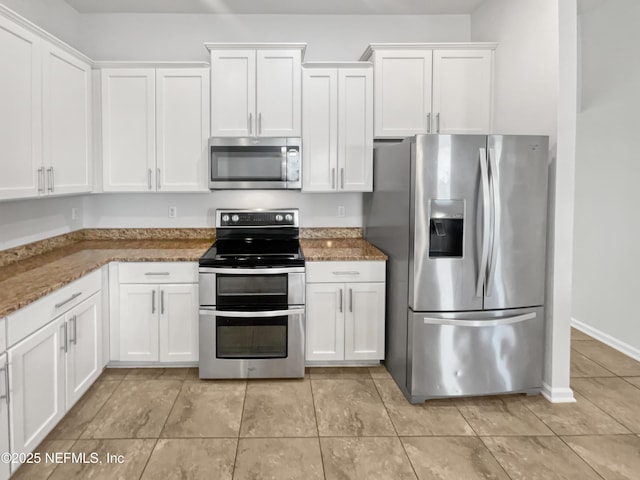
{"type": "Point", "coordinates": [463, 220]}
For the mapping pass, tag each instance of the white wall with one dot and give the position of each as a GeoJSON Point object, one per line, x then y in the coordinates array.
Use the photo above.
{"type": "Point", "coordinates": [54, 16]}
{"type": "Point", "coordinates": [329, 37]}
{"type": "Point", "coordinates": [197, 210]}
{"type": "Point", "coordinates": [526, 68]}
{"type": "Point", "coordinates": [607, 221]}
{"type": "Point", "coordinates": [26, 221]}
{"type": "Point", "coordinates": [534, 90]}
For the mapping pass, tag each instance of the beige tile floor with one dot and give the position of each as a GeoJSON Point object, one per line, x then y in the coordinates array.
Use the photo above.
{"type": "Point", "coordinates": [349, 424]}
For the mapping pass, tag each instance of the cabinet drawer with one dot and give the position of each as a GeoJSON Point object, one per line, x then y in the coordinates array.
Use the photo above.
{"type": "Point", "coordinates": [34, 316]}
{"type": "Point", "coordinates": [323, 272]}
{"type": "Point", "coordinates": [155, 272]}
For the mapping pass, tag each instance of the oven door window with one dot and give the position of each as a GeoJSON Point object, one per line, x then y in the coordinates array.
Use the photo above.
{"type": "Point", "coordinates": [248, 163]}
{"type": "Point", "coordinates": [247, 290]}
{"type": "Point", "coordinates": [251, 338]}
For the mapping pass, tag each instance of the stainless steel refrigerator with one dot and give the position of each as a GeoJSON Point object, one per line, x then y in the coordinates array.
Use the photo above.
{"type": "Point", "coordinates": [463, 220]}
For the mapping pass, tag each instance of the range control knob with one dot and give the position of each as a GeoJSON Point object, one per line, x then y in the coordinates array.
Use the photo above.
{"type": "Point", "coordinates": [235, 218]}
{"type": "Point", "coordinates": [289, 217]}
{"type": "Point", "coordinates": [278, 218]}
{"type": "Point", "coordinates": [225, 218]}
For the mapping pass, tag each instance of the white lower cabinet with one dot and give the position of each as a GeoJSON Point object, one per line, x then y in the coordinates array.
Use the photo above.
{"type": "Point", "coordinates": [157, 322]}
{"type": "Point", "coordinates": [345, 320]}
{"type": "Point", "coordinates": [5, 469]}
{"type": "Point", "coordinates": [51, 363]}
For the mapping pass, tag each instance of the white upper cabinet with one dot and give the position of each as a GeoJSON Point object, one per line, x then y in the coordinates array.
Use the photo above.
{"type": "Point", "coordinates": [128, 129]}
{"type": "Point", "coordinates": [462, 90]}
{"type": "Point", "coordinates": [233, 93]}
{"type": "Point", "coordinates": [256, 90]}
{"type": "Point", "coordinates": [432, 88]}
{"type": "Point", "coordinates": [402, 92]}
{"type": "Point", "coordinates": [20, 112]}
{"type": "Point", "coordinates": [155, 126]}
{"type": "Point", "coordinates": [337, 127]}
{"type": "Point", "coordinates": [66, 100]}
{"type": "Point", "coordinates": [182, 128]}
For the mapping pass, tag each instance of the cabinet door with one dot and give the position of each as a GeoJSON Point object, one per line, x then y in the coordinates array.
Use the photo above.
{"type": "Point", "coordinates": [5, 470]}
{"type": "Point", "coordinates": [462, 92]}
{"type": "Point", "coordinates": [66, 109]}
{"type": "Point", "coordinates": [355, 129]}
{"type": "Point", "coordinates": [138, 323]}
{"type": "Point", "coordinates": [402, 92]}
{"type": "Point", "coordinates": [37, 386]}
{"type": "Point", "coordinates": [319, 129]}
{"type": "Point", "coordinates": [182, 120]}
{"type": "Point", "coordinates": [278, 92]}
{"type": "Point", "coordinates": [85, 347]}
{"type": "Point", "coordinates": [128, 130]}
{"type": "Point", "coordinates": [364, 321]}
{"type": "Point", "coordinates": [20, 112]}
{"type": "Point", "coordinates": [325, 321]}
{"type": "Point", "coordinates": [233, 93]}
{"type": "Point", "coordinates": [179, 323]}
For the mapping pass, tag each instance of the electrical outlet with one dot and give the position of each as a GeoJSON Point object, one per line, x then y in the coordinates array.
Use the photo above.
{"type": "Point", "coordinates": [341, 212]}
{"type": "Point", "coordinates": [173, 212]}
{"type": "Point", "coordinates": [74, 213]}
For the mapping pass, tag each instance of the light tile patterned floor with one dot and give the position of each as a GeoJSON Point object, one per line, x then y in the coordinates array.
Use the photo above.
{"type": "Point", "coordinates": [350, 424]}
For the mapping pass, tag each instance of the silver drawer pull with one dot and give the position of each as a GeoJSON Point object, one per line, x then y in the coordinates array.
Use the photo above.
{"type": "Point", "coordinates": [346, 273]}
{"type": "Point", "coordinates": [72, 297]}
{"type": "Point", "coordinates": [157, 273]}
{"type": "Point", "coordinates": [7, 394]}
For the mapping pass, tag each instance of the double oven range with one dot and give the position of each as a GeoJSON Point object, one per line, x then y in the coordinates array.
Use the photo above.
{"type": "Point", "coordinates": [252, 295]}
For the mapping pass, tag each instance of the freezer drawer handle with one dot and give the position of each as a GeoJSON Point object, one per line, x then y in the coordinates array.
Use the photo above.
{"type": "Point", "coordinates": [479, 323]}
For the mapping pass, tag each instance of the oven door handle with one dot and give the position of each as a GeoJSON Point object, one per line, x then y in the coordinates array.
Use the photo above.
{"type": "Point", "coordinates": [251, 271]}
{"type": "Point", "coordinates": [263, 314]}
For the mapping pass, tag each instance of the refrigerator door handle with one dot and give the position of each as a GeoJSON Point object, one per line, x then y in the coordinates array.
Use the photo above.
{"type": "Point", "coordinates": [486, 214]}
{"type": "Point", "coordinates": [495, 243]}
{"type": "Point", "coordinates": [479, 323]}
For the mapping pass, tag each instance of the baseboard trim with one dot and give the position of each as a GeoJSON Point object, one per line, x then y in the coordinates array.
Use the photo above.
{"type": "Point", "coordinates": [557, 395]}
{"type": "Point", "coordinates": [607, 339]}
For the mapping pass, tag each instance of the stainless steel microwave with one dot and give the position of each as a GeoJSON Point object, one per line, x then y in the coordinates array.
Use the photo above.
{"type": "Point", "coordinates": [254, 163]}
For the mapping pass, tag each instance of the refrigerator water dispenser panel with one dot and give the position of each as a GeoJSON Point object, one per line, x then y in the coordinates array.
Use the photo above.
{"type": "Point", "coordinates": [446, 228]}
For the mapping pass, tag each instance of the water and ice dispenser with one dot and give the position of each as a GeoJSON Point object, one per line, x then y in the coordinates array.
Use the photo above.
{"type": "Point", "coordinates": [446, 228]}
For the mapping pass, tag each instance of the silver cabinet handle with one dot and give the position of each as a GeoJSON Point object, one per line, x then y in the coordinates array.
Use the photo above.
{"type": "Point", "coordinates": [429, 122]}
{"type": "Point", "coordinates": [149, 178]}
{"type": "Point", "coordinates": [333, 179]}
{"type": "Point", "coordinates": [41, 180]}
{"type": "Point", "coordinates": [157, 273]}
{"type": "Point", "coordinates": [6, 395]}
{"type": "Point", "coordinates": [250, 123]}
{"type": "Point", "coordinates": [158, 185]}
{"type": "Point", "coordinates": [342, 178]}
{"type": "Point", "coordinates": [64, 302]}
{"type": "Point", "coordinates": [352, 272]}
{"type": "Point", "coordinates": [153, 301]}
{"type": "Point", "coordinates": [438, 122]}
{"type": "Point", "coordinates": [73, 321]}
{"type": "Point", "coordinates": [259, 123]}
{"type": "Point", "coordinates": [50, 179]}
{"type": "Point", "coordinates": [64, 346]}
{"type": "Point", "coordinates": [351, 300]}
{"type": "Point", "coordinates": [340, 301]}
{"type": "Point", "coordinates": [162, 302]}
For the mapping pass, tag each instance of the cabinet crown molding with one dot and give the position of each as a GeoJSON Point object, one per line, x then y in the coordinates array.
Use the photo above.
{"type": "Point", "coordinates": [43, 34]}
{"type": "Point", "coordinates": [427, 46]}
{"type": "Point", "coordinates": [260, 46]}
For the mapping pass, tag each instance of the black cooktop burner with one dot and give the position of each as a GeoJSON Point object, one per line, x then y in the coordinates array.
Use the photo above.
{"type": "Point", "coordinates": [246, 253]}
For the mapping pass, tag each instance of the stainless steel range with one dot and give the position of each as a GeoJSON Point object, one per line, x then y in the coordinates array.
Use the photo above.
{"type": "Point", "coordinates": [252, 292]}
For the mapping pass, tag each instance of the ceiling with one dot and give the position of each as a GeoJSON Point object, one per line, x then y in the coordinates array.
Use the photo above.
{"type": "Point", "coordinates": [340, 7]}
